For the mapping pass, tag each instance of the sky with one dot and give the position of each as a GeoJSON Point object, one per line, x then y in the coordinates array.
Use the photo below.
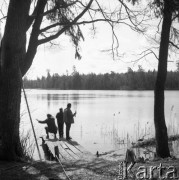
{"type": "Point", "coordinates": [60, 59]}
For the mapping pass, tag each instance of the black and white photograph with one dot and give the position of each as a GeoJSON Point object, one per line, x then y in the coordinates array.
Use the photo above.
{"type": "Point", "coordinates": [89, 89]}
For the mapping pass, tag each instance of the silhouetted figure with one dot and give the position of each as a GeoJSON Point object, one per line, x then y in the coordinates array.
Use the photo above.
{"type": "Point", "coordinates": [51, 127]}
{"type": "Point", "coordinates": [60, 122]}
{"type": "Point", "coordinates": [68, 119]}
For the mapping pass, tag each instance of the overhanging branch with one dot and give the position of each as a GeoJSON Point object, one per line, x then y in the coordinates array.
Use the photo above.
{"type": "Point", "coordinates": [82, 22]}
{"type": "Point", "coordinates": [50, 11]}
{"type": "Point", "coordinates": [174, 45]}
{"type": "Point", "coordinates": [33, 42]}
{"type": "Point", "coordinates": [50, 38]}
{"type": "Point", "coordinates": [32, 16]}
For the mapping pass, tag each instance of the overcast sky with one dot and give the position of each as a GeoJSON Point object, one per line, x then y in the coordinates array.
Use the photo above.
{"type": "Point", "coordinates": [62, 58]}
{"type": "Point", "coordinates": [59, 59]}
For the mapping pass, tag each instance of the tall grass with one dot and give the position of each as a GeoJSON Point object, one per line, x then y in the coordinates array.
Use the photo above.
{"type": "Point", "coordinates": [173, 124]}
{"type": "Point", "coordinates": [28, 145]}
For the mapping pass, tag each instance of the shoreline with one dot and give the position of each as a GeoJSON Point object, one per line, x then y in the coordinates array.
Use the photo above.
{"type": "Point", "coordinates": [151, 141]}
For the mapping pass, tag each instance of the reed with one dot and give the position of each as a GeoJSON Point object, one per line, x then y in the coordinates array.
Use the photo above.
{"type": "Point", "coordinates": [28, 145]}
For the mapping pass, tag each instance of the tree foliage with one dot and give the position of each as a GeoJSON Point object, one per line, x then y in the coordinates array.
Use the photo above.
{"type": "Point", "coordinates": [131, 80]}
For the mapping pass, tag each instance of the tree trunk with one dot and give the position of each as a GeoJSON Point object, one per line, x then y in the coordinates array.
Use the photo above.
{"type": "Point", "coordinates": [12, 54]}
{"type": "Point", "coordinates": [162, 149]}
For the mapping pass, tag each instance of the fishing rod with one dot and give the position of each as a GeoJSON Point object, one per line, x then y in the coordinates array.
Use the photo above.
{"type": "Point", "coordinates": [31, 121]}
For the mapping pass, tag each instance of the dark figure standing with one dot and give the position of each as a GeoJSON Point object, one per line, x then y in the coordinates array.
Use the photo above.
{"type": "Point", "coordinates": [68, 119]}
{"type": "Point", "coordinates": [51, 127]}
{"type": "Point", "coordinates": [60, 122]}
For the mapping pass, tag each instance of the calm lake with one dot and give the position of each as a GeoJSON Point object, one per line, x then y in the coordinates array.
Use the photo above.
{"type": "Point", "coordinates": [104, 118]}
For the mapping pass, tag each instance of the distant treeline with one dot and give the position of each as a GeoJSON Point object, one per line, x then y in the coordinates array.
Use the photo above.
{"type": "Point", "coordinates": [131, 80]}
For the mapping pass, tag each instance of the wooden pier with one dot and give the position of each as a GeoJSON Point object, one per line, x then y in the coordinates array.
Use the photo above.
{"type": "Point", "coordinates": [67, 150]}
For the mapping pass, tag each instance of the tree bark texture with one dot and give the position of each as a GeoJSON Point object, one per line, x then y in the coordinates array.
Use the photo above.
{"type": "Point", "coordinates": [161, 135]}
{"type": "Point", "coordinates": [13, 51]}
{"type": "Point", "coordinates": [15, 61]}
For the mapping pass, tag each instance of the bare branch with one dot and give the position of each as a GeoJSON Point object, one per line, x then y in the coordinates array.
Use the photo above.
{"type": "Point", "coordinates": [95, 10]}
{"type": "Point", "coordinates": [81, 23]}
{"type": "Point", "coordinates": [143, 54]}
{"type": "Point", "coordinates": [158, 27]}
{"type": "Point", "coordinates": [151, 51]}
{"type": "Point", "coordinates": [33, 42]}
{"type": "Point", "coordinates": [114, 37]}
{"type": "Point", "coordinates": [93, 27]}
{"type": "Point", "coordinates": [173, 44]}
{"type": "Point", "coordinates": [50, 11]}
{"type": "Point", "coordinates": [4, 17]}
{"type": "Point", "coordinates": [32, 16]}
{"type": "Point", "coordinates": [146, 54]}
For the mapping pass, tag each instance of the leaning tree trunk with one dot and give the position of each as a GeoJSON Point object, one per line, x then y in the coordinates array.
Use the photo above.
{"type": "Point", "coordinates": [12, 54]}
{"type": "Point", "coordinates": [162, 149]}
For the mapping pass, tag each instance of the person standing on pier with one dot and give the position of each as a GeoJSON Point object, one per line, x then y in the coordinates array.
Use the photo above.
{"type": "Point", "coordinates": [68, 118]}
{"type": "Point", "coordinates": [60, 122]}
{"type": "Point", "coordinates": [51, 127]}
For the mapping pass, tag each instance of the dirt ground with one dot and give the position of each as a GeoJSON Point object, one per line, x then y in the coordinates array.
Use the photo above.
{"type": "Point", "coordinates": [95, 169]}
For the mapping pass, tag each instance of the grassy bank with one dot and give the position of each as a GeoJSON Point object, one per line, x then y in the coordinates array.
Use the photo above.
{"type": "Point", "coordinates": [152, 142]}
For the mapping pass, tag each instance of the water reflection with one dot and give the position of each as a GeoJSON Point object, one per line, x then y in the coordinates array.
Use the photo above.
{"type": "Point", "coordinates": [54, 99]}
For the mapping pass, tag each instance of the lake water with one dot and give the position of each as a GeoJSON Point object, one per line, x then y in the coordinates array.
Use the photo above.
{"type": "Point", "coordinates": [104, 118]}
